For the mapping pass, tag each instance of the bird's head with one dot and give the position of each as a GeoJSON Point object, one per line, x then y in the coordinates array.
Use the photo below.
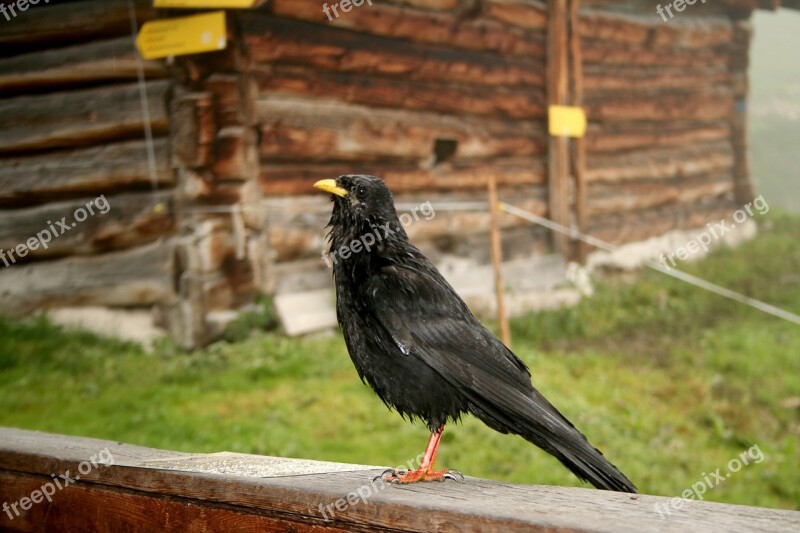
{"type": "Point", "coordinates": [361, 204]}
{"type": "Point", "coordinates": [359, 200]}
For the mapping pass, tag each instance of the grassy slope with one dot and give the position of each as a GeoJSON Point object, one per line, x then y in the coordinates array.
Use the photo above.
{"type": "Point", "coordinates": [671, 382]}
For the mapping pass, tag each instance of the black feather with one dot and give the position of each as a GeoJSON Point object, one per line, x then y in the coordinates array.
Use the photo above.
{"type": "Point", "coordinates": [415, 342]}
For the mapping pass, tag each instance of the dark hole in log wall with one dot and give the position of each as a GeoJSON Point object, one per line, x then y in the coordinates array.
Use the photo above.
{"type": "Point", "coordinates": [444, 150]}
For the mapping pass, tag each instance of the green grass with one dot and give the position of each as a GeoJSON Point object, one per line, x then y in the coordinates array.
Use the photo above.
{"type": "Point", "coordinates": [669, 381]}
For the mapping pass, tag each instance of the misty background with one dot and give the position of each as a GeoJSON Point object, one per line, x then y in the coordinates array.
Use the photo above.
{"type": "Point", "coordinates": [775, 107]}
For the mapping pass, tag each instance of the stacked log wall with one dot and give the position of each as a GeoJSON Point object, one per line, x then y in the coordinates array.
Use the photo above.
{"type": "Point", "coordinates": [665, 147]}
{"type": "Point", "coordinates": [72, 130]}
{"type": "Point", "coordinates": [182, 233]}
{"type": "Point", "coordinates": [373, 90]}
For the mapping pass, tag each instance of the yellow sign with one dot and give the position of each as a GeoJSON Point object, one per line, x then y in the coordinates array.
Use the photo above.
{"type": "Point", "coordinates": [209, 4]}
{"type": "Point", "coordinates": [567, 121]}
{"type": "Point", "coordinates": [181, 36]}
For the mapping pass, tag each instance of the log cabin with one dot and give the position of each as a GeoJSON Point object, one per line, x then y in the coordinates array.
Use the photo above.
{"type": "Point", "coordinates": [207, 161]}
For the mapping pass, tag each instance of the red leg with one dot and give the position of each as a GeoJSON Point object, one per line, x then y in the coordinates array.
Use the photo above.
{"type": "Point", "coordinates": [425, 472]}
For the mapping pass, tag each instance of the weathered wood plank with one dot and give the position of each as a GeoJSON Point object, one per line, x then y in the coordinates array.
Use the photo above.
{"type": "Point", "coordinates": [305, 129]}
{"type": "Point", "coordinates": [602, 52]}
{"type": "Point", "coordinates": [621, 136]}
{"type": "Point", "coordinates": [304, 496]}
{"type": "Point", "coordinates": [637, 225]}
{"type": "Point", "coordinates": [401, 93]}
{"type": "Point", "coordinates": [292, 179]}
{"type": "Point", "coordinates": [108, 169]}
{"type": "Point", "coordinates": [661, 163]}
{"type": "Point", "coordinates": [423, 26]}
{"type": "Point", "coordinates": [298, 43]}
{"type": "Point", "coordinates": [80, 118]}
{"type": "Point", "coordinates": [614, 79]}
{"type": "Point", "coordinates": [699, 105]}
{"type": "Point", "coordinates": [140, 276]}
{"type": "Point", "coordinates": [129, 220]}
{"type": "Point", "coordinates": [107, 61]}
{"type": "Point", "coordinates": [644, 194]}
{"type": "Point", "coordinates": [531, 14]}
{"type": "Point", "coordinates": [193, 129]}
{"type": "Point", "coordinates": [650, 31]}
{"type": "Point", "coordinates": [48, 25]}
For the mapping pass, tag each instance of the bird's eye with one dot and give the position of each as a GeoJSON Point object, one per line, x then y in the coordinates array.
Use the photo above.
{"type": "Point", "coordinates": [361, 191]}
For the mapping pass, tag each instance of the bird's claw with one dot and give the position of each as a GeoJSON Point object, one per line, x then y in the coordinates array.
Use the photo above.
{"type": "Point", "coordinates": [455, 475]}
{"type": "Point", "coordinates": [390, 474]}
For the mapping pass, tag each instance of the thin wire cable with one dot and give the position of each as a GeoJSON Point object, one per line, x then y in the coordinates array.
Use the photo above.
{"type": "Point", "coordinates": [148, 131]}
{"type": "Point", "coordinates": [677, 274]}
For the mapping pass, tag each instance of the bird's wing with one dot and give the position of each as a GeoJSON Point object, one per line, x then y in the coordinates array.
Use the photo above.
{"type": "Point", "coordinates": [427, 319]}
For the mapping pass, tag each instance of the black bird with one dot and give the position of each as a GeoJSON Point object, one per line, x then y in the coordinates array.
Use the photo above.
{"type": "Point", "coordinates": [415, 342]}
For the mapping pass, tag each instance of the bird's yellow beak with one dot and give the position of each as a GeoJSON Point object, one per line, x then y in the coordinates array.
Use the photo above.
{"type": "Point", "coordinates": [331, 187]}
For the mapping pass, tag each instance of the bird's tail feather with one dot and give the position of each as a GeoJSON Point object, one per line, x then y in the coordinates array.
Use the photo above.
{"type": "Point", "coordinates": [537, 421]}
{"type": "Point", "coordinates": [572, 448]}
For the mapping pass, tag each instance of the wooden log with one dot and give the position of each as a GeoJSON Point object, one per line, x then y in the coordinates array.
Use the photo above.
{"type": "Point", "coordinates": [693, 33]}
{"type": "Point", "coordinates": [294, 179]}
{"type": "Point", "coordinates": [615, 79]}
{"type": "Point", "coordinates": [650, 31]}
{"type": "Point", "coordinates": [611, 137]}
{"type": "Point", "coordinates": [603, 53]}
{"type": "Point", "coordinates": [645, 194]}
{"type": "Point", "coordinates": [530, 14]}
{"type": "Point", "coordinates": [80, 118]}
{"type": "Point", "coordinates": [313, 130]}
{"type": "Point", "coordinates": [237, 155]}
{"type": "Point", "coordinates": [129, 220]}
{"type": "Point", "coordinates": [97, 62]}
{"type": "Point", "coordinates": [46, 26]}
{"type": "Point", "coordinates": [298, 43]}
{"type": "Point", "coordinates": [141, 276]}
{"type": "Point", "coordinates": [706, 105]}
{"type": "Point", "coordinates": [633, 226]}
{"type": "Point", "coordinates": [235, 96]}
{"type": "Point", "coordinates": [70, 173]}
{"type": "Point", "coordinates": [433, 5]}
{"type": "Point", "coordinates": [661, 164]}
{"type": "Point", "coordinates": [527, 103]}
{"type": "Point", "coordinates": [193, 129]}
{"type": "Point", "coordinates": [422, 26]}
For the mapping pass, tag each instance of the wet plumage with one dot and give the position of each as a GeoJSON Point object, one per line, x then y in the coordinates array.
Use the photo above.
{"type": "Point", "coordinates": [415, 342]}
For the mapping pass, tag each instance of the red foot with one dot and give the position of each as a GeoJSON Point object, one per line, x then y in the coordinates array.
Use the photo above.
{"type": "Point", "coordinates": [425, 471]}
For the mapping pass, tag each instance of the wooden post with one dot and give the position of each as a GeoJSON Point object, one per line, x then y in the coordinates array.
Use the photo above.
{"type": "Point", "coordinates": [580, 249]}
{"type": "Point", "coordinates": [557, 89]}
{"type": "Point", "coordinates": [497, 263]}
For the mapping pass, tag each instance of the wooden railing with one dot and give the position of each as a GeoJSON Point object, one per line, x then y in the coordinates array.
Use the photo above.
{"type": "Point", "coordinates": [60, 483]}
